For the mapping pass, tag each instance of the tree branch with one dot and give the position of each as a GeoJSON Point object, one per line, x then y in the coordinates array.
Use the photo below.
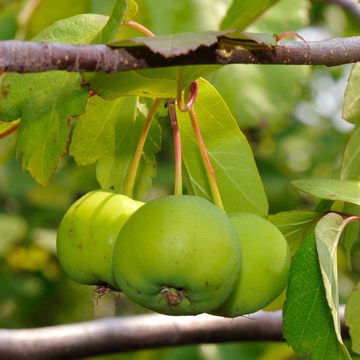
{"type": "Point", "coordinates": [138, 332]}
{"type": "Point", "coordinates": [27, 57]}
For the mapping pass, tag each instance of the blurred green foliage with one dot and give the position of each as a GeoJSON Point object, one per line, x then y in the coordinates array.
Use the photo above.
{"type": "Point", "coordinates": [290, 116]}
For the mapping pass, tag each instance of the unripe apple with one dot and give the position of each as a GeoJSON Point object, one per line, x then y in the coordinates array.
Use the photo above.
{"type": "Point", "coordinates": [87, 234]}
{"type": "Point", "coordinates": [265, 266]}
{"type": "Point", "coordinates": [177, 255]}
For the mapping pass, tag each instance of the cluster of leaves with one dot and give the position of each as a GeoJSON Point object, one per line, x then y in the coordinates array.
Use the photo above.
{"type": "Point", "coordinates": [107, 128]}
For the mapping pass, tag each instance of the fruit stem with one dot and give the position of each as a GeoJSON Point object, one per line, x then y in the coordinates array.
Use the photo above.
{"type": "Point", "coordinates": [177, 146]}
{"type": "Point", "coordinates": [215, 192]}
{"type": "Point", "coordinates": [193, 95]}
{"type": "Point", "coordinates": [10, 130]}
{"type": "Point", "coordinates": [130, 181]}
{"type": "Point", "coordinates": [140, 28]}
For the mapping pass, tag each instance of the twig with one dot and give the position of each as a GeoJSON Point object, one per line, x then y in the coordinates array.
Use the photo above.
{"type": "Point", "coordinates": [27, 57]}
{"type": "Point", "coordinates": [134, 333]}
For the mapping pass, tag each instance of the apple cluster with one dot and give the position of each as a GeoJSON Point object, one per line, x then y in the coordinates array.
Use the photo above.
{"type": "Point", "coordinates": [177, 255]}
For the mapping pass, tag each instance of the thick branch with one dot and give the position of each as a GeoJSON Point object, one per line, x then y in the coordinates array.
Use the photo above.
{"type": "Point", "coordinates": [36, 57]}
{"type": "Point", "coordinates": [134, 333]}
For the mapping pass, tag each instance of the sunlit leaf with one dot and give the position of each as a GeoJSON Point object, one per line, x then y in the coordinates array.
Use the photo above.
{"type": "Point", "coordinates": [351, 171]}
{"type": "Point", "coordinates": [94, 134]}
{"type": "Point", "coordinates": [328, 232]}
{"type": "Point", "coordinates": [243, 12]}
{"type": "Point", "coordinates": [230, 154]}
{"type": "Point", "coordinates": [113, 167]}
{"type": "Point", "coordinates": [331, 189]}
{"type": "Point", "coordinates": [352, 318]}
{"type": "Point", "coordinates": [351, 109]}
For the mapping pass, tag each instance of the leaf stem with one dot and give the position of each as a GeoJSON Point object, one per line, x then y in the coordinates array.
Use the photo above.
{"type": "Point", "coordinates": [130, 181]}
{"type": "Point", "coordinates": [177, 147]}
{"type": "Point", "coordinates": [193, 95]}
{"type": "Point", "coordinates": [215, 192]}
{"type": "Point", "coordinates": [140, 28]}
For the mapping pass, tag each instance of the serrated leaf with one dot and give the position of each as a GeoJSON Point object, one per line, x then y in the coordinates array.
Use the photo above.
{"type": "Point", "coordinates": [328, 231]}
{"type": "Point", "coordinates": [351, 171]}
{"type": "Point", "coordinates": [308, 324]}
{"type": "Point", "coordinates": [111, 27]}
{"type": "Point", "coordinates": [243, 12]}
{"type": "Point", "coordinates": [230, 154]}
{"type": "Point", "coordinates": [94, 134]}
{"type": "Point", "coordinates": [352, 318]}
{"type": "Point", "coordinates": [294, 225]}
{"type": "Point", "coordinates": [44, 127]}
{"type": "Point", "coordinates": [45, 101]}
{"type": "Point", "coordinates": [112, 168]}
{"type": "Point", "coordinates": [331, 189]}
{"type": "Point", "coordinates": [351, 108]}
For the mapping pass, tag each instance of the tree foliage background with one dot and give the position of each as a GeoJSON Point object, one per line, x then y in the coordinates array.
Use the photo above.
{"type": "Point", "coordinates": [291, 116]}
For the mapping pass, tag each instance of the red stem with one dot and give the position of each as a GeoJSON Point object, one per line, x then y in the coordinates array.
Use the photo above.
{"type": "Point", "coordinates": [177, 147]}
{"type": "Point", "coordinates": [193, 95]}
{"type": "Point", "coordinates": [140, 28]}
{"type": "Point", "coordinates": [10, 130]}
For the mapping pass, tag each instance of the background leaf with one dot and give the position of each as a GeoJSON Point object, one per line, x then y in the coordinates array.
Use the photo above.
{"type": "Point", "coordinates": [243, 12]}
{"type": "Point", "coordinates": [331, 189]}
{"type": "Point", "coordinates": [239, 182]}
{"type": "Point", "coordinates": [352, 318]}
{"type": "Point", "coordinates": [294, 225]}
{"type": "Point", "coordinates": [351, 109]}
{"type": "Point", "coordinates": [308, 324]}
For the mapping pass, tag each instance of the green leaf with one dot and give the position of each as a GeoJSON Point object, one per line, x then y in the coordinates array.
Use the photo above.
{"type": "Point", "coordinates": [308, 324]}
{"type": "Point", "coordinates": [45, 101]}
{"type": "Point", "coordinates": [328, 232]}
{"type": "Point", "coordinates": [351, 108]}
{"type": "Point", "coordinates": [94, 134]}
{"type": "Point", "coordinates": [113, 167]}
{"type": "Point", "coordinates": [243, 12]}
{"type": "Point", "coordinates": [331, 189]}
{"type": "Point", "coordinates": [111, 28]}
{"type": "Point", "coordinates": [352, 318]}
{"type": "Point", "coordinates": [351, 171]}
{"type": "Point", "coordinates": [230, 154]}
{"type": "Point", "coordinates": [44, 127]}
{"type": "Point", "coordinates": [294, 225]}
{"type": "Point", "coordinates": [351, 161]}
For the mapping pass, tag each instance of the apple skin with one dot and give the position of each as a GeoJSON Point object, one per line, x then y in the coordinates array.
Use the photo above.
{"type": "Point", "coordinates": [265, 268]}
{"type": "Point", "coordinates": [87, 233]}
{"type": "Point", "coordinates": [177, 255]}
